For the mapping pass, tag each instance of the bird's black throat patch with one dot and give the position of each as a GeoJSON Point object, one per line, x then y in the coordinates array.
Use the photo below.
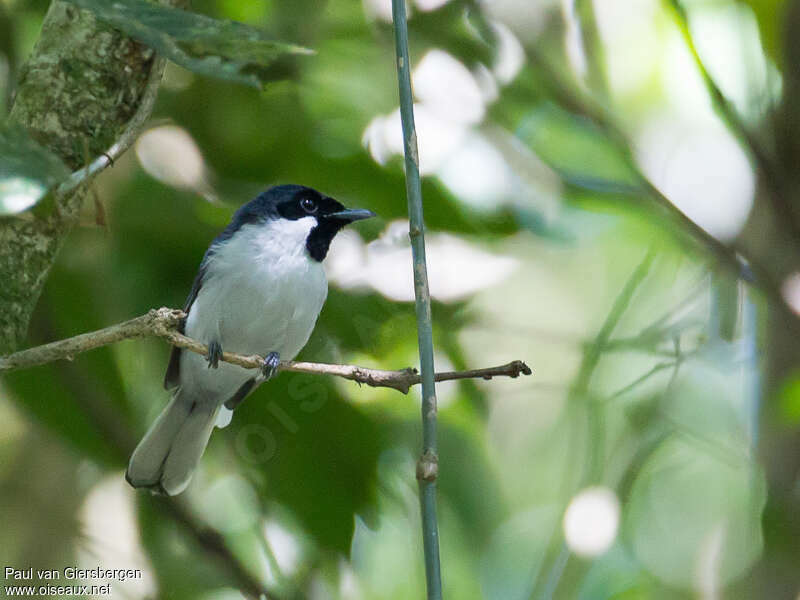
{"type": "Point", "coordinates": [319, 238]}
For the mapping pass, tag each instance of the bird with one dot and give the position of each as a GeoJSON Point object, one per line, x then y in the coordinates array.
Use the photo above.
{"type": "Point", "coordinates": [259, 290]}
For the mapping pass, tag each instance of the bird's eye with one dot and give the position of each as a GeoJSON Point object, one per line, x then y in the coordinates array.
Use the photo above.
{"type": "Point", "coordinates": [308, 205]}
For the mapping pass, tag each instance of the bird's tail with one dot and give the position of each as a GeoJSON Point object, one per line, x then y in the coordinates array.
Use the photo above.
{"type": "Point", "coordinates": [169, 452]}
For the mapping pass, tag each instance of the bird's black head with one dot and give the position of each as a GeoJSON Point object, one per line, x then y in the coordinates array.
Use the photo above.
{"type": "Point", "coordinates": [297, 202]}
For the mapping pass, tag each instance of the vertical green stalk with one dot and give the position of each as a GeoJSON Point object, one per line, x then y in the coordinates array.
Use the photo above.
{"type": "Point", "coordinates": [428, 464]}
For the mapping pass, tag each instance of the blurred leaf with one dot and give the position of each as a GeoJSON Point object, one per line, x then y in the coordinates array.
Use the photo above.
{"type": "Point", "coordinates": [615, 575]}
{"type": "Point", "coordinates": [687, 504]}
{"type": "Point", "coordinates": [469, 482]}
{"type": "Point", "coordinates": [216, 48]}
{"type": "Point", "coordinates": [181, 567]}
{"type": "Point", "coordinates": [789, 399]}
{"type": "Point", "coordinates": [27, 170]}
{"type": "Point", "coordinates": [451, 28]}
{"type": "Point", "coordinates": [62, 412]}
{"type": "Point", "coordinates": [769, 14]}
{"type": "Point", "coordinates": [577, 149]}
{"type": "Point", "coordinates": [515, 553]}
{"type": "Point", "coordinates": [83, 401]}
{"type": "Point", "coordinates": [312, 452]}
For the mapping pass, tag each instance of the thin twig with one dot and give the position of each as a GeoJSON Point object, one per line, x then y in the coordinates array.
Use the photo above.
{"type": "Point", "coordinates": [657, 368]}
{"type": "Point", "coordinates": [163, 323]}
{"type": "Point", "coordinates": [428, 464]}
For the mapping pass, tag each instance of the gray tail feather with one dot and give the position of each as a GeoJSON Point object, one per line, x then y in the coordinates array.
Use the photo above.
{"type": "Point", "coordinates": [169, 452]}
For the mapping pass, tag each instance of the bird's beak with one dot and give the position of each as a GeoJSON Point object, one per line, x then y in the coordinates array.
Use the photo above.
{"type": "Point", "coordinates": [352, 214]}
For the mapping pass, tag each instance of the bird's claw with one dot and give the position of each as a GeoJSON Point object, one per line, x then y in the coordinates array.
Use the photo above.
{"type": "Point", "coordinates": [214, 354]}
{"type": "Point", "coordinates": [270, 365]}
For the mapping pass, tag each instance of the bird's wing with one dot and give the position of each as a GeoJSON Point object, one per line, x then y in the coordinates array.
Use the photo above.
{"type": "Point", "coordinates": [172, 376]}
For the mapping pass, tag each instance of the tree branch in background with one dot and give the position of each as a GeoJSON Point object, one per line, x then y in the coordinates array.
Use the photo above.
{"type": "Point", "coordinates": [85, 91]}
{"type": "Point", "coordinates": [575, 100]}
{"type": "Point", "coordinates": [164, 322]}
{"type": "Point", "coordinates": [772, 175]}
{"type": "Point", "coordinates": [214, 543]}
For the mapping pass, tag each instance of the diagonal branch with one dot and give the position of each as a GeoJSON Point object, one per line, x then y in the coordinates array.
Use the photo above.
{"type": "Point", "coordinates": [752, 270]}
{"type": "Point", "coordinates": [772, 176]}
{"type": "Point", "coordinates": [164, 322]}
{"type": "Point", "coordinates": [214, 543]}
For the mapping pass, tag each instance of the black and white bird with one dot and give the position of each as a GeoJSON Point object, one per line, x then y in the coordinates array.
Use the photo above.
{"type": "Point", "coordinates": [259, 290]}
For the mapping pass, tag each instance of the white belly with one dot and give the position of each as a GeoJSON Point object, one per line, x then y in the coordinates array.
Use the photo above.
{"type": "Point", "coordinates": [253, 303]}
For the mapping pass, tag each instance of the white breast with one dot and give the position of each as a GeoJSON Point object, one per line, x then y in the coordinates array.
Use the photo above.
{"type": "Point", "coordinates": [261, 293]}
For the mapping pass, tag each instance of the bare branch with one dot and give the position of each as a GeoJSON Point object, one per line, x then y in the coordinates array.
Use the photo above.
{"type": "Point", "coordinates": [164, 322]}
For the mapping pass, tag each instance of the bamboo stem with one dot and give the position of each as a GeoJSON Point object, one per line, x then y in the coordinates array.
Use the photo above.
{"type": "Point", "coordinates": [428, 464]}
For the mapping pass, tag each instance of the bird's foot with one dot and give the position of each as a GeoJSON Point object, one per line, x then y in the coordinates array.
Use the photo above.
{"type": "Point", "coordinates": [270, 365]}
{"type": "Point", "coordinates": [214, 354]}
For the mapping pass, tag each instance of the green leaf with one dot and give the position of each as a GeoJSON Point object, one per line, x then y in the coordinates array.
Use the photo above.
{"type": "Point", "coordinates": [789, 400]}
{"type": "Point", "coordinates": [312, 452]}
{"type": "Point", "coordinates": [217, 48]}
{"type": "Point", "coordinates": [580, 152]}
{"type": "Point", "coordinates": [615, 575]}
{"type": "Point", "coordinates": [27, 170]}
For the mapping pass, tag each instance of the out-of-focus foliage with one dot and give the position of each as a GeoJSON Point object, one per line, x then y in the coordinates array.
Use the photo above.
{"type": "Point", "coordinates": [769, 15]}
{"type": "Point", "coordinates": [216, 48]}
{"type": "Point", "coordinates": [647, 390]}
{"type": "Point", "coordinates": [27, 171]}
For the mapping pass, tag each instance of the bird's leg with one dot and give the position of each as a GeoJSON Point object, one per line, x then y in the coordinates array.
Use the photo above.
{"type": "Point", "coordinates": [214, 354]}
{"type": "Point", "coordinates": [270, 365]}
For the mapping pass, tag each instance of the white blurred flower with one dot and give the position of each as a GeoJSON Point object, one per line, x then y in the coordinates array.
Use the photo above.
{"type": "Point", "coordinates": [702, 170]}
{"type": "Point", "coordinates": [430, 5]}
{"type": "Point", "coordinates": [349, 587]}
{"type": "Point", "coordinates": [437, 138]}
{"type": "Point", "coordinates": [791, 291]}
{"type": "Point", "coordinates": [526, 19]}
{"type": "Point", "coordinates": [510, 54]}
{"type": "Point", "coordinates": [379, 9]}
{"type": "Point", "coordinates": [447, 88]}
{"type": "Point", "coordinates": [573, 38]}
{"type": "Point", "coordinates": [477, 173]}
{"type": "Point", "coordinates": [449, 100]}
{"type": "Point", "coordinates": [284, 545]}
{"type": "Point", "coordinates": [111, 536]}
{"type": "Point", "coordinates": [456, 268]}
{"type": "Point", "coordinates": [229, 504]}
{"type": "Point", "coordinates": [169, 154]}
{"type": "Point", "coordinates": [18, 194]}
{"type": "Point", "coordinates": [621, 18]}
{"type": "Point", "coordinates": [709, 559]}
{"type": "Point", "coordinates": [591, 521]}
